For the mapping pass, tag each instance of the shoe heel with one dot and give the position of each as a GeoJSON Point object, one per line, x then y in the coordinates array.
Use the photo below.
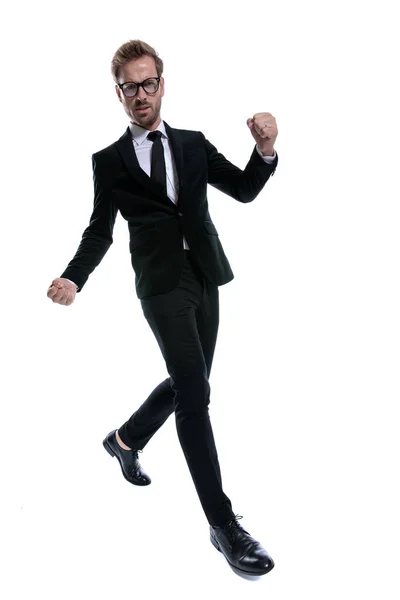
{"type": "Point", "coordinates": [107, 447]}
{"type": "Point", "coordinates": [215, 543]}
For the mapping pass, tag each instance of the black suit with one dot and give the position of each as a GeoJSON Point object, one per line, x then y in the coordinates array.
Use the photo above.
{"type": "Point", "coordinates": [178, 289]}
{"type": "Point", "coordinates": [155, 223]}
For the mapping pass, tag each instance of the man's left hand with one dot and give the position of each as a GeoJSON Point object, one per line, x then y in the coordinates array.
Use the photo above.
{"type": "Point", "coordinates": [264, 130]}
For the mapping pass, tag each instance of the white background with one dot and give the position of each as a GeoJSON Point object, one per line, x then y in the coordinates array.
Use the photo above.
{"type": "Point", "coordinates": [304, 385]}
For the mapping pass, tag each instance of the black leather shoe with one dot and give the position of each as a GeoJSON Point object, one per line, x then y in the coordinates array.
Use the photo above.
{"type": "Point", "coordinates": [241, 551]}
{"type": "Point", "coordinates": [128, 459]}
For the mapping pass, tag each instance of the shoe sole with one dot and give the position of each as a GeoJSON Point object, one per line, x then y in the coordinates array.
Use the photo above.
{"type": "Point", "coordinates": [217, 546]}
{"type": "Point", "coordinates": [112, 453]}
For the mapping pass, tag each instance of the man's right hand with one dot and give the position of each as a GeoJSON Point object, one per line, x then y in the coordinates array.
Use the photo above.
{"type": "Point", "coordinates": [62, 291]}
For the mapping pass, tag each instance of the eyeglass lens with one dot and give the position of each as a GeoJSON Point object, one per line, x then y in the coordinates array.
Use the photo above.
{"type": "Point", "coordinates": [150, 86]}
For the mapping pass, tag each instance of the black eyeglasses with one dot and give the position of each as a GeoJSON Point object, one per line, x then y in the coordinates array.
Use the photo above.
{"type": "Point", "coordinates": [130, 88]}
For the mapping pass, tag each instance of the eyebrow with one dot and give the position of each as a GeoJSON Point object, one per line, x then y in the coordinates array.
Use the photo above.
{"type": "Point", "coordinates": [151, 77]}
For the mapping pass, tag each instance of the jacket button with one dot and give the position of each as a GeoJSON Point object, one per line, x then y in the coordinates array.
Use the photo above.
{"type": "Point", "coordinates": [180, 214]}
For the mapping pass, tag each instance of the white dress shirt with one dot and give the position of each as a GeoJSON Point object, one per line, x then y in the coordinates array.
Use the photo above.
{"type": "Point", "coordinates": [143, 152]}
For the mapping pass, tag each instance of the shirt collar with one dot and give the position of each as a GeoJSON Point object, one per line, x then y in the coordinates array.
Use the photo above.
{"type": "Point", "coordinates": [140, 134]}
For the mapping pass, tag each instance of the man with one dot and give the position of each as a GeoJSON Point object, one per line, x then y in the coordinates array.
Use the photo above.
{"type": "Point", "coordinates": [157, 177]}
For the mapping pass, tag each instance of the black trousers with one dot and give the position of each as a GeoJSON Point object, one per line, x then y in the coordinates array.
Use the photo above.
{"type": "Point", "coordinates": [185, 323]}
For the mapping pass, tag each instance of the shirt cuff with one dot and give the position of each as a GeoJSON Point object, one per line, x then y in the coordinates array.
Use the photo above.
{"type": "Point", "coordinates": [267, 159]}
{"type": "Point", "coordinates": [77, 287]}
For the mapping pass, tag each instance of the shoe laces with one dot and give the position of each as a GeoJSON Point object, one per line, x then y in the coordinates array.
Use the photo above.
{"type": "Point", "coordinates": [133, 468]}
{"type": "Point", "coordinates": [233, 526]}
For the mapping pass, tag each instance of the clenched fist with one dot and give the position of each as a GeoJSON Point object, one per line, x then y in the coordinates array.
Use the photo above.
{"type": "Point", "coordinates": [264, 130]}
{"type": "Point", "coordinates": [62, 291]}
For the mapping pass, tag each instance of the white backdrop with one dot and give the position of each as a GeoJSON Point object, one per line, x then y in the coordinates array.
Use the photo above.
{"type": "Point", "coordinates": [304, 385]}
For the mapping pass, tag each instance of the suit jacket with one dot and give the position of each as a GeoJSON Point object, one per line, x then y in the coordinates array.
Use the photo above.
{"type": "Point", "coordinates": [156, 224]}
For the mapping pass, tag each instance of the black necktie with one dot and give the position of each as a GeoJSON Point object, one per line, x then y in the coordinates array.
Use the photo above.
{"type": "Point", "coordinates": [158, 172]}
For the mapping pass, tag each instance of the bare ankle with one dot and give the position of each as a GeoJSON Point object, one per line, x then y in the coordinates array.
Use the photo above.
{"type": "Point", "coordinates": [120, 442]}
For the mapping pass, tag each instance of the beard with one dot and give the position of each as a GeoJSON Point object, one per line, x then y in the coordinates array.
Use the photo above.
{"type": "Point", "coordinates": [146, 119]}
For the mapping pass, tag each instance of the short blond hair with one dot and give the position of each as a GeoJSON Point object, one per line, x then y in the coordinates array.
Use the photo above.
{"type": "Point", "coordinates": [133, 50]}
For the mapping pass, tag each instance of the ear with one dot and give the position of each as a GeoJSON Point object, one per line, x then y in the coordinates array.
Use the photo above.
{"type": "Point", "coordinates": [162, 86]}
{"type": "Point", "coordinates": [117, 89]}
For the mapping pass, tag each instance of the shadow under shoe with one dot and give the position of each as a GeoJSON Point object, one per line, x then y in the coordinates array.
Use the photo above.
{"type": "Point", "coordinates": [241, 550]}
{"type": "Point", "coordinates": [128, 459]}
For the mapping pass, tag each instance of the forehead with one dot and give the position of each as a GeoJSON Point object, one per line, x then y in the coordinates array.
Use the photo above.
{"type": "Point", "coordinates": [139, 69]}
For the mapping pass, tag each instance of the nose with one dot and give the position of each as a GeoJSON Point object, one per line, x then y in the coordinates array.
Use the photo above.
{"type": "Point", "coordinates": [141, 95]}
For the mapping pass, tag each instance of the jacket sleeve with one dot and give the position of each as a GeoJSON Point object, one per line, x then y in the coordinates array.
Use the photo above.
{"type": "Point", "coordinates": [243, 186]}
{"type": "Point", "coordinates": [98, 236]}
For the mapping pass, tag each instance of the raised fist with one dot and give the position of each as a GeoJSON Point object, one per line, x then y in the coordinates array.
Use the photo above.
{"type": "Point", "coordinates": [62, 291]}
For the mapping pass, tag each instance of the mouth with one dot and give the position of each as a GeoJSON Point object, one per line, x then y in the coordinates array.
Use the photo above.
{"type": "Point", "coordinates": [142, 110]}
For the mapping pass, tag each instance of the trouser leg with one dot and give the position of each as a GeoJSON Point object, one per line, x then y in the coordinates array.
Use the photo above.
{"type": "Point", "coordinates": [185, 323]}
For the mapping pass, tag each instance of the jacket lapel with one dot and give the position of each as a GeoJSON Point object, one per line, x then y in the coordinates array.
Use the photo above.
{"type": "Point", "coordinates": [125, 148]}
{"type": "Point", "coordinates": [177, 152]}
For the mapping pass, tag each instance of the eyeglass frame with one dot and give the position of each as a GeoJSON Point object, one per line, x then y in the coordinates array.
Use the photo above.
{"type": "Point", "coordinates": [139, 85]}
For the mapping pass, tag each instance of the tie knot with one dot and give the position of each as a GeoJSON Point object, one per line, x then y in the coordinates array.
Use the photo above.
{"type": "Point", "coordinates": [153, 135]}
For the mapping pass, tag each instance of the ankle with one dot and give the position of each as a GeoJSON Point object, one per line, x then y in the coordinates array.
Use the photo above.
{"type": "Point", "coordinates": [120, 442]}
